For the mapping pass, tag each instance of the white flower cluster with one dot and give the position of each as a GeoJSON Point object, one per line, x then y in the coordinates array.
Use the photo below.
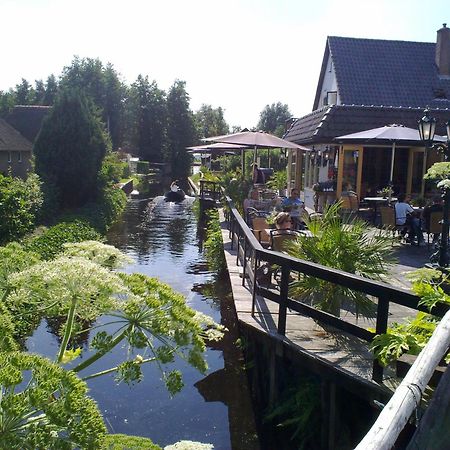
{"type": "Point", "coordinates": [189, 445]}
{"type": "Point", "coordinates": [213, 331]}
{"type": "Point", "coordinates": [444, 184]}
{"type": "Point", "coordinates": [103, 254]}
{"type": "Point", "coordinates": [64, 278]}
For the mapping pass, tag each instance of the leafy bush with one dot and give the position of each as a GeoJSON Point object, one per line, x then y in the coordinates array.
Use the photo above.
{"type": "Point", "coordinates": [51, 242]}
{"type": "Point", "coordinates": [346, 245]}
{"type": "Point", "coordinates": [123, 441]}
{"type": "Point", "coordinates": [412, 336]}
{"type": "Point", "coordinates": [101, 213]}
{"type": "Point", "coordinates": [113, 169]}
{"type": "Point", "coordinates": [20, 202]}
{"type": "Point", "coordinates": [214, 243]}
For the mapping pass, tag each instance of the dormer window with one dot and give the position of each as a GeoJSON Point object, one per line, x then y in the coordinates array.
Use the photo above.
{"type": "Point", "coordinates": [330, 98]}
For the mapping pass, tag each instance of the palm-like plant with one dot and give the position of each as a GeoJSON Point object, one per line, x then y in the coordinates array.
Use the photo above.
{"type": "Point", "coordinates": [344, 244]}
{"type": "Point", "coordinates": [278, 181]}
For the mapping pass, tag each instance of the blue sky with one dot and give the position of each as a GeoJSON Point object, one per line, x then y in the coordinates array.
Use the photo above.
{"type": "Point", "coordinates": [241, 55]}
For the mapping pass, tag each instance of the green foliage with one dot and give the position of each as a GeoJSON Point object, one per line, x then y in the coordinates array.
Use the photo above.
{"type": "Point", "coordinates": [123, 441]}
{"type": "Point", "coordinates": [147, 119]}
{"type": "Point", "coordinates": [102, 212]}
{"type": "Point", "coordinates": [409, 338]}
{"type": "Point", "coordinates": [210, 121]}
{"type": "Point", "coordinates": [20, 203]}
{"type": "Point", "coordinates": [273, 118]}
{"type": "Point", "coordinates": [344, 244]}
{"type": "Point", "coordinates": [413, 335]}
{"type": "Point", "coordinates": [70, 148]}
{"type": "Point", "coordinates": [180, 130]}
{"type": "Point", "coordinates": [103, 86]}
{"type": "Point", "coordinates": [113, 169]}
{"type": "Point", "coordinates": [51, 242]}
{"type": "Point", "coordinates": [45, 406]}
{"type": "Point", "coordinates": [278, 181]}
{"type": "Point", "coordinates": [214, 243]}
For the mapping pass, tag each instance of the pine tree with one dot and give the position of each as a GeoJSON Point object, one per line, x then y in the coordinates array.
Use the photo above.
{"type": "Point", "coordinates": [70, 148]}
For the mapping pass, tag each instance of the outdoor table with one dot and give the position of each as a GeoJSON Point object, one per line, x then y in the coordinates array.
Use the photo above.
{"type": "Point", "coordinates": [373, 202]}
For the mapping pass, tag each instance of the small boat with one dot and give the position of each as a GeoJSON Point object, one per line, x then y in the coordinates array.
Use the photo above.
{"type": "Point", "coordinates": [175, 196]}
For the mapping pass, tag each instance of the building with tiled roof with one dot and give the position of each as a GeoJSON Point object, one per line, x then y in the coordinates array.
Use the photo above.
{"type": "Point", "coordinates": [366, 84]}
{"type": "Point", "coordinates": [15, 151]}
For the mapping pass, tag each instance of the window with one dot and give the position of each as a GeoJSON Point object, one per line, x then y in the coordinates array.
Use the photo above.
{"type": "Point", "coordinates": [331, 98]}
{"type": "Point", "coordinates": [9, 157]}
{"type": "Point", "coordinates": [19, 157]}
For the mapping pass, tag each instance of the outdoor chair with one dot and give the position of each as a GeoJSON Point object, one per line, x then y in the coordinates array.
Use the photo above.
{"type": "Point", "coordinates": [435, 226]}
{"type": "Point", "coordinates": [349, 206]}
{"type": "Point", "coordinates": [389, 221]}
{"type": "Point", "coordinates": [280, 238]}
{"type": "Point", "coordinates": [259, 225]}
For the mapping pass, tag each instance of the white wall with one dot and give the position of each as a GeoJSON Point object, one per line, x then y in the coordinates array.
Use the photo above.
{"type": "Point", "coordinates": [329, 83]}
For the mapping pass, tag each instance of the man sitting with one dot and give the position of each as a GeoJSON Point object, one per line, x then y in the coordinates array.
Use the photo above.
{"type": "Point", "coordinates": [295, 207]}
{"type": "Point", "coordinates": [405, 215]}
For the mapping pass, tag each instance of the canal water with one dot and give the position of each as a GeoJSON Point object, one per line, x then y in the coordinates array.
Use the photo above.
{"type": "Point", "coordinates": [164, 241]}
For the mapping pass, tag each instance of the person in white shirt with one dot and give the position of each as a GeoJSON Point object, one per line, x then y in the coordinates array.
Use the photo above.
{"type": "Point", "coordinates": [405, 215]}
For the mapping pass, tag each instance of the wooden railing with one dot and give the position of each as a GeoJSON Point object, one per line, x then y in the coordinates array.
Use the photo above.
{"type": "Point", "coordinates": [250, 255]}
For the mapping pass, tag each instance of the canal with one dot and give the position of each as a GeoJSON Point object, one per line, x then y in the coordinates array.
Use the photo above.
{"type": "Point", "coordinates": [164, 241]}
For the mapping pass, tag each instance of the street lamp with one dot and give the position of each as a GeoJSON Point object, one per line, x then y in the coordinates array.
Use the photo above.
{"type": "Point", "coordinates": [427, 127]}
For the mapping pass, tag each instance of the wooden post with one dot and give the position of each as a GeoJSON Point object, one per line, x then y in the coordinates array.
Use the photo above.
{"type": "Point", "coordinates": [244, 265]}
{"type": "Point", "coordinates": [381, 328]}
{"type": "Point", "coordinates": [284, 290]}
{"type": "Point", "coordinates": [255, 267]}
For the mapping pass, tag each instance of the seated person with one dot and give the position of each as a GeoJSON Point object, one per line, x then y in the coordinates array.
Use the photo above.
{"type": "Point", "coordinates": [252, 201]}
{"type": "Point", "coordinates": [405, 215]}
{"type": "Point", "coordinates": [295, 207]}
{"type": "Point", "coordinates": [283, 221]}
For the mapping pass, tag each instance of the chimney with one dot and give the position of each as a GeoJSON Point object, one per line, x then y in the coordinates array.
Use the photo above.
{"type": "Point", "coordinates": [443, 50]}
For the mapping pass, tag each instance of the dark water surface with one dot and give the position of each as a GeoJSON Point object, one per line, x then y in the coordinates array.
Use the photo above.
{"type": "Point", "coordinates": [163, 240]}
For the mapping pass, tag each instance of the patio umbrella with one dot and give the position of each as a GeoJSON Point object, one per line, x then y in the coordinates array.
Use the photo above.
{"type": "Point", "coordinates": [387, 135]}
{"type": "Point", "coordinates": [255, 139]}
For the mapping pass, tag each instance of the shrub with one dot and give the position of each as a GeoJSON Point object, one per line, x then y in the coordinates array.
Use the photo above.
{"type": "Point", "coordinates": [51, 242]}
{"type": "Point", "coordinates": [20, 203]}
{"type": "Point", "coordinates": [103, 212]}
{"type": "Point", "coordinates": [123, 441]}
{"type": "Point", "coordinates": [214, 243]}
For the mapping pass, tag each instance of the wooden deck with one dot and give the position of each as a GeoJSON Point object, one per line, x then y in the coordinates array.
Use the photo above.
{"type": "Point", "coordinates": [332, 349]}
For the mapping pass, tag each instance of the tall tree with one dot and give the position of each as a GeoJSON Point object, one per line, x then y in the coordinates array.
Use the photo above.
{"type": "Point", "coordinates": [181, 129]}
{"type": "Point", "coordinates": [70, 148]}
{"type": "Point", "coordinates": [209, 121]}
{"type": "Point", "coordinates": [24, 93]}
{"type": "Point", "coordinates": [39, 92]}
{"type": "Point", "coordinates": [7, 101]}
{"type": "Point", "coordinates": [147, 121]}
{"type": "Point", "coordinates": [51, 89]}
{"type": "Point", "coordinates": [273, 117]}
{"type": "Point", "coordinates": [115, 92]}
{"type": "Point", "coordinates": [103, 86]}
